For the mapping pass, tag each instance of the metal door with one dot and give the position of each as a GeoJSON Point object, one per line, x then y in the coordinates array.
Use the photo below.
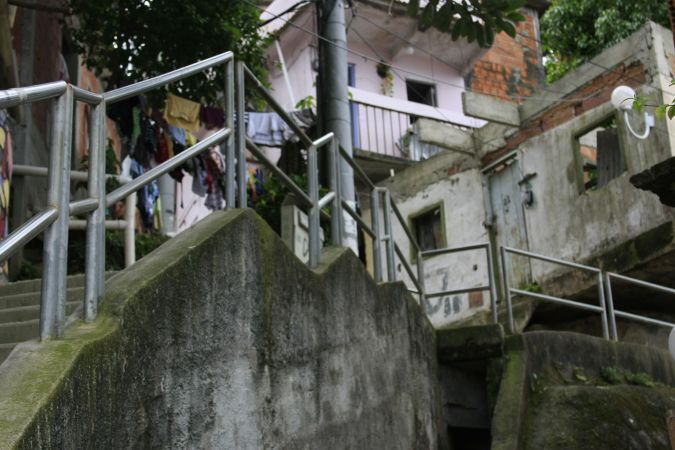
{"type": "Point", "coordinates": [508, 219]}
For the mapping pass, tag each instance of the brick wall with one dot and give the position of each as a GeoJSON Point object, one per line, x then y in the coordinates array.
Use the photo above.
{"type": "Point", "coordinates": [512, 67]}
{"type": "Point", "coordinates": [588, 96]}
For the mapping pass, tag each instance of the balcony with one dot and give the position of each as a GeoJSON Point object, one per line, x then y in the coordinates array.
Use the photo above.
{"type": "Point", "coordinates": [385, 127]}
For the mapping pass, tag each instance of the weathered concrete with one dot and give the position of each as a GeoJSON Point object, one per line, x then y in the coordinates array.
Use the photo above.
{"type": "Point", "coordinates": [489, 108]}
{"type": "Point", "coordinates": [222, 339]}
{"type": "Point", "coordinates": [470, 343]}
{"type": "Point", "coordinates": [451, 138]}
{"type": "Point", "coordinates": [563, 390]}
{"type": "Point", "coordinates": [659, 180]}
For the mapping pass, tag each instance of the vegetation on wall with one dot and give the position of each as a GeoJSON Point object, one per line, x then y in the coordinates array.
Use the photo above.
{"type": "Point", "coordinates": [574, 31]}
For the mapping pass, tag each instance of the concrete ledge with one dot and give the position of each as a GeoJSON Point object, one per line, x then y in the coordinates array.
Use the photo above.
{"type": "Point", "coordinates": [470, 343]}
{"type": "Point", "coordinates": [489, 108]}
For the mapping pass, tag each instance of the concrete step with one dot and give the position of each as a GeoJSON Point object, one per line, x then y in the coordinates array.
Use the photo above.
{"type": "Point", "coordinates": [23, 287]}
{"type": "Point", "coordinates": [5, 350]}
{"type": "Point", "coordinates": [19, 331]}
{"type": "Point", "coordinates": [33, 298]}
{"type": "Point", "coordinates": [31, 312]}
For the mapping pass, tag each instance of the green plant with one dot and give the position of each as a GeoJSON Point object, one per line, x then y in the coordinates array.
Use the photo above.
{"type": "Point", "coordinates": [531, 287]}
{"type": "Point", "coordinates": [387, 84]}
{"type": "Point", "coordinates": [574, 31]}
{"type": "Point", "coordinates": [112, 166]}
{"type": "Point", "coordinates": [125, 41]}
{"type": "Point", "coordinates": [640, 102]}
{"type": "Point", "coordinates": [306, 103]}
{"type": "Point", "coordinates": [475, 20]}
{"type": "Point", "coordinates": [268, 205]}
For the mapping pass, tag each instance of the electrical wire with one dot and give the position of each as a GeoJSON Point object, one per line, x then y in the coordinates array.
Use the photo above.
{"type": "Point", "coordinates": [411, 72]}
{"type": "Point", "coordinates": [605, 69]}
{"type": "Point", "coordinates": [423, 76]}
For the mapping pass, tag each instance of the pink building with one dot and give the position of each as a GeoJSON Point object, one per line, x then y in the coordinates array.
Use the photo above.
{"type": "Point", "coordinates": [397, 74]}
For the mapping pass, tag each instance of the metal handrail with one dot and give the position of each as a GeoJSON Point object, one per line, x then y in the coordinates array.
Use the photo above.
{"type": "Point", "coordinates": [144, 86]}
{"type": "Point", "coordinates": [491, 285]}
{"type": "Point", "coordinates": [606, 302]}
{"type": "Point", "coordinates": [508, 290]}
{"type": "Point", "coordinates": [612, 313]}
{"type": "Point", "coordinates": [54, 221]}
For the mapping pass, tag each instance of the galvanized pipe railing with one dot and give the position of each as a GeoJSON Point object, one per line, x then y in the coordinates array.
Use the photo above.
{"type": "Point", "coordinates": [491, 285]}
{"type": "Point", "coordinates": [508, 290]}
{"type": "Point", "coordinates": [613, 314]}
{"type": "Point", "coordinates": [605, 296]}
{"type": "Point", "coordinates": [54, 222]}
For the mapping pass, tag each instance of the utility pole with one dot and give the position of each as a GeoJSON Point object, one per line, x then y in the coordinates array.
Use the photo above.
{"type": "Point", "coordinates": [333, 98]}
{"type": "Point", "coordinates": [671, 14]}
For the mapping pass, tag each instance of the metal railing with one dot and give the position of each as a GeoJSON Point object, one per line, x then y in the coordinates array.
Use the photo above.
{"type": "Point", "coordinates": [490, 286]}
{"type": "Point", "coordinates": [605, 307]}
{"type": "Point", "coordinates": [390, 132]}
{"type": "Point", "coordinates": [127, 224]}
{"type": "Point", "coordinates": [54, 220]}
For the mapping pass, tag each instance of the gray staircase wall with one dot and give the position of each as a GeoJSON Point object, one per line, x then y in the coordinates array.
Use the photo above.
{"type": "Point", "coordinates": [221, 338]}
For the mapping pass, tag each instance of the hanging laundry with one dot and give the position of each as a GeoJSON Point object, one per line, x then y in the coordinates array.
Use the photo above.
{"type": "Point", "coordinates": [147, 195]}
{"type": "Point", "coordinates": [212, 117]}
{"type": "Point", "coordinates": [6, 160]}
{"type": "Point", "coordinates": [182, 113]}
{"type": "Point", "coordinates": [267, 129]}
{"type": "Point", "coordinates": [178, 134]}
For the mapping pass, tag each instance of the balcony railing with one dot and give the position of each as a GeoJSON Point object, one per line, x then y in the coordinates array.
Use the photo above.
{"type": "Point", "coordinates": [392, 132]}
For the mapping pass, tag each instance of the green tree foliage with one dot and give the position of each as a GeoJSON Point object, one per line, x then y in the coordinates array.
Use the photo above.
{"type": "Point", "coordinates": [130, 40]}
{"type": "Point", "coordinates": [574, 31]}
{"type": "Point", "coordinates": [476, 20]}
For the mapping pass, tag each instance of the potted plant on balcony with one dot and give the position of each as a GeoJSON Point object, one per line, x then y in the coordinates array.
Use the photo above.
{"type": "Point", "coordinates": [384, 72]}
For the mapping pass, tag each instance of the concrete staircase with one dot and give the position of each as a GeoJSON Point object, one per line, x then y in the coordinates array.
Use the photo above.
{"type": "Point", "coordinates": [20, 310]}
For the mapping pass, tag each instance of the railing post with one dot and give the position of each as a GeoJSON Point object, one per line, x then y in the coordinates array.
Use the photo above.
{"type": "Point", "coordinates": [491, 280]}
{"type": "Point", "coordinates": [341, 217]}
{"type": "Point", "coordinates": [601, 299]}
{"type": "Point", "coordinates": [377, 240]}
{"type": "Point", "coordinates": [507, 290]}
{"type": "Point", "coordinates": [55, 254]}
{"type": "Point", "coordinates": [130, 230]}
{"type": "Point", "coordinates": [95, 255]}
{"type": "Point", "coordinates": [240, 133]}
{"type": "Point", "coordinates": [314, 212]}
{"type": "Point", "coordinates": [336, 213]}
{"type": "Point", "coordinates": [420, 277]}
{"type": "Point", "coordinates": [229, 143]}
{"type": "Point", "coordinates": [610, 308]}
{"type": "Point", "coordinates": [391, 269]}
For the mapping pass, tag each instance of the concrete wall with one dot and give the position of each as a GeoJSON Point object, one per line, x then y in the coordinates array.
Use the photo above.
{"type": "Point", "coordinates": [452, 181]}
{"type": "Point", "coordinates": [565, 221]}
{"type": "Point", "coordinates": [222, 339]}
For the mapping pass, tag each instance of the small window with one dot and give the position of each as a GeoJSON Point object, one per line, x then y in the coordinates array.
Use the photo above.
{"type": "Point", "coordinates": [428, 229]}
{"type": "Point", "coordinates": [600, 154]}
{"type": "Point", "coordinates": [419, 92]}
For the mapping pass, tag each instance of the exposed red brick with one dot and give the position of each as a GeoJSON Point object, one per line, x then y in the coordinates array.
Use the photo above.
{"type": "Point", "coordinates": [587, 97]}
{"type": "Point", "coordinates": [475, 300]}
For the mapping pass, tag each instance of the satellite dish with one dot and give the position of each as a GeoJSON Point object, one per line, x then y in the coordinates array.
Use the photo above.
{"type": "Point", "coordinates": [622, 99]}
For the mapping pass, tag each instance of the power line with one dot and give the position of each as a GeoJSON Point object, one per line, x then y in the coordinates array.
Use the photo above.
{"type": "Point", "coordinates": [404, 70]}
{"type": "Point", "coordinates": [366, 57]}
{"type": "Point", "coordinates": [605, 69]}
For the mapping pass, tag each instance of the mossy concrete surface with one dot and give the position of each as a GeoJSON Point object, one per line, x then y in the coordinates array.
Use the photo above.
{"type": "Point", "coordinates": [470, 343]}
{"type": "Point", "coordinates": [563, 390]}
{"type": "Point", "coordinates": [221, 338]}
